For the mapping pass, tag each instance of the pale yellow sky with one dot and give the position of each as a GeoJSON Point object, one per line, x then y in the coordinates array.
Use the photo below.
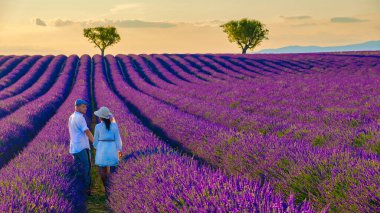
{"type": "Point", "coordinates": [168, 26]}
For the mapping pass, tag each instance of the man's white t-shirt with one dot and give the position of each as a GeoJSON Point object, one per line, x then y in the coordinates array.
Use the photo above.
{"type": "Point", "coordinates": [78, 137]}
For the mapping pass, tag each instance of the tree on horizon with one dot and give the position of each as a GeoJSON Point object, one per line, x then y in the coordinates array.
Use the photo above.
{"type": "Point", "coordinates": [246, 33]}
{"type": "Point", "coordinates": [102, 37]}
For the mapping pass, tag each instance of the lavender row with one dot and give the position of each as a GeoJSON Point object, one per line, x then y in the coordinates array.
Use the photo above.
{"type": "Point", "coordinates": [288, 115]}
{"type": "Point", "coordinates": [22, 125]}
{"type": "Point", "coordinates": [225, 64]}
{"type": "Point", "coordinates": [350, 103]}
{"type": "Point", "coordinates": [200, 66]}
{"type": "Point", "coordinates": [39, 88]}
{"type": "Point", "coordinates": [10, 64]}
{"type": "Point", "coordinates": [288, 112]}
{"type": "Point", "coordinates": [171, 76]}
{"type": "Point", "coordinates": [198, 72]}
{"type": "Point", "coordinates": [185, 89]}
{"type": "Point", "coordinates": [176, 124]}
{"type": "Point", "coordinates": [42, 178]}
{"type": "Point", "coordinates": [178, 86]}
{"type": "Point", "coordinates": [23, 68]}
{"type": "Point", "coordinates": [213, 68]}
{"type": "Point", "coordinates": [231, 58]}
{"type": "Point", "coordinates": [316, 62]}
{"type": "Point", "coordinates": [163, 64]}
{"type": "Point", "coordinates": [27, 79]}
{"type": "Point", "coordinates": [174, 84]}
{"type": "Point", "coordinates": [269, 116]}
{"type": "Point", "coordinates": [363, 69]}
{"type": "Point", "coordinates": [179, 183]}
{"type": "Point", "coordinates": [218, 114]}
{"type": "Point", "coordinates": [183, 70]}
{"type": "Point", "coordinates": [4, 59]}
{"type": "Point", "coordinates": [227, 153]}
{"type": "Point", "coordinates": [177, 71]}
{"type": "Point", "coordinates": [203, 139]}
{"type": "Point", "coordinates": [199, 63]}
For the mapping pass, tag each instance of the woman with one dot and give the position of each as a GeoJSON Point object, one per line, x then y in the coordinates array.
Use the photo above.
{"type": "Point", "coordinates": [107, 143]}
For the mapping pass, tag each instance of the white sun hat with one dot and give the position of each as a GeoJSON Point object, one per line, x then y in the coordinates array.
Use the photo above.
{"type": "Point", "coordinates": [103, 112]}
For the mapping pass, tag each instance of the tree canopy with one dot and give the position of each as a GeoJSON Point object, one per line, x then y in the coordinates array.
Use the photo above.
{"type": "Point", "coordinates": [102, 37]}
{"type": "Point", "coordinates": [246, 33]}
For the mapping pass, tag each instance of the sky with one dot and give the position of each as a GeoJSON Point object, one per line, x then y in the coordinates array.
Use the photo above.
{"type": "Point", "coordinates": [172, 26]}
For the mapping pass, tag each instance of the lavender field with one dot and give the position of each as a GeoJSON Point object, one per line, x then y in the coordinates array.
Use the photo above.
{"type": "Point", "coordinates": [200, 132]}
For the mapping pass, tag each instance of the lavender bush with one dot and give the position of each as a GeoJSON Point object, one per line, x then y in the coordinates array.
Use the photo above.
{"type": "Point", "coordinates": [41, 178]}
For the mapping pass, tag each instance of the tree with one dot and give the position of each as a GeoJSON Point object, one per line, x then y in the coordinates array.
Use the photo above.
{"type": "Point", "coordinates": [246, 33]}
{"type": "Point", "coordinates": [102, 37]}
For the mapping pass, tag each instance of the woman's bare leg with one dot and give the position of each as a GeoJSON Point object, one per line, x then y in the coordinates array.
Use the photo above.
{"type": "Point", "coordinates": [103, 175]}
{"type": "Point", "coordinates": [107, 173]}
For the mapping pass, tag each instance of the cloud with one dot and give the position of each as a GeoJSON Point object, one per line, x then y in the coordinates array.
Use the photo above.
{"type": "Point", "coordinates": [128, 24]}
{"type": "Point", "coordinates": [61, 23]}
{"type": "Point", "coordinates": [106, 22]}
{"type": "Point", "coordinates": [40, 22]}
{"type": "Point", "coordinates": [122, 7]}
{"type": "Point", "coordinates": [347, 20]}
{"type": "Point", "coordinates": [143, 24]}
{"type": "Point", "coordinates": [299, 21]}
{"type": "Point", "coordinates": [212, 23]}
{"type": "Point", "coordinates": [290, 18]}
{"type": "Point", "coordinates": [52, 22]}
{"type": "Point", "coordinates": [304, 25]}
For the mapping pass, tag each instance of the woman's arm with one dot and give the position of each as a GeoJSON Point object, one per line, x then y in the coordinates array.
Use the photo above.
{"type": "Point", "coordinates": [96, 137]}
{"type": "Point", "coordinates": [118, 141]}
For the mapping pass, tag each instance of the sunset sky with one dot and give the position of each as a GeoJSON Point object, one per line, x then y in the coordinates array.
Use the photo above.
{"type": "Point", "coordinates": [172, 26]}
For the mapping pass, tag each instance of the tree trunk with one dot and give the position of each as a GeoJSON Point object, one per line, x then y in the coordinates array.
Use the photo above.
{"type": "Point", "coordinates": [102, 52]}
{"type": "Point", "coordinates": [244, 50]}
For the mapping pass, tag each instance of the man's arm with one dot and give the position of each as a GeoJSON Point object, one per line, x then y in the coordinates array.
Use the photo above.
{"type": "Point", "coordinates": [89, 135]}
{"type": "Point", "coordinates": [82, 125]}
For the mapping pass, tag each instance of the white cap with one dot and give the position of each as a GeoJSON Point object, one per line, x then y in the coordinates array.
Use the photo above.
{"type": "Point", "coordinates": [103, 112]}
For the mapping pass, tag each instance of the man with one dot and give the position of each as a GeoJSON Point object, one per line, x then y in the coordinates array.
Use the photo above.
{"type": "Point", "coordinates": [79, 137]}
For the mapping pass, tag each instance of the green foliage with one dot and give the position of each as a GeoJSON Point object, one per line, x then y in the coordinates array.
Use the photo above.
{"type": "Point", "coordinates": [218, 152]}
{"type": "Point", "coordinates": [284, 165]}
{"type": "Point", "coordinates": [179, 202]}
{"type": "Point", "coordinates": [263, 131]}
{"type": "Point", "coordinates": [266, 129]}
{"type": "Point", "coordinates": [300, 134]}
{"type": "Point", "coordinates": [354, 123]}
{"type": "Point", "coordinates": [306, 184]}
{"type": "Point", "coordinates": [234, 104]}
{"type": "Point", "coordinates": [339, 190]}
{"type": "Point", "coordinates": [320, 140]}
{"type": "Point", "coordinates": [207, 114]}
{"type": "Point", "coordinates": [246, 126]}
{"type": "Point", "coordinates": [361, 139]}
{"type": "Point", "coordinates": [280, 134]}
{"type": "Point", "coordinates": [97, 201]}
{"type": "Point", "coordinates": [246, 33]}
{"type": "Point", "coordinates": [377, 148]}
{"type": "Point", "coordinates": [102, 37]}
{"type": "Point", "coordinates": [231, 140]}
{"type": "Point", "coordinates": [236, 122]}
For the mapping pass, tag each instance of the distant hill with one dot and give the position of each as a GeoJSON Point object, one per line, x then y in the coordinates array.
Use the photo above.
{"type": "Point", "coordinates": [370, 45]}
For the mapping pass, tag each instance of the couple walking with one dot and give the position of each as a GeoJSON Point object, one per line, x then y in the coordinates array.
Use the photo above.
{"type": "Point", "coordinates": [106, 141]}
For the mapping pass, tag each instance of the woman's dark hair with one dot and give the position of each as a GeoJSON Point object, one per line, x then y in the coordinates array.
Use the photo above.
{"type": "Point", "coordinates": [107, 122]}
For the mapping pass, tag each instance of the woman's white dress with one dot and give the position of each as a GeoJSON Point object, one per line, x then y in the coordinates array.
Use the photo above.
{"type": "Point", "coordinates": [107, 144]}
